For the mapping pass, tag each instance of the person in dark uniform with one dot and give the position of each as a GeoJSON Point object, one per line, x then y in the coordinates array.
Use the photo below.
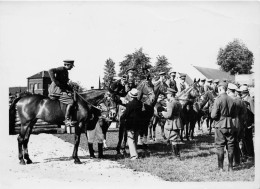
{"type": "Point", "coordinates": [171, 82]}
{"type": "Point", "coordinates": [215, 85]}
{"type": "Point", "coordinates": [249, 129]}
{"type": "Point", "coordinates": [173, 123]}
{"type": "Point", "coordinates": [60, 88]}
{"type": "Point", "coordinates": [201, 86]}
{"type": "Point", "coordinates": [238, 122]}
{"type": "Point", "coordinates": [118, 89]}
{"type": "Point", "coordinates": [208, 85]}
{"type": "Point", "coordinates": [131, 118]}
{"type": "Point", "coordinates": [223, 111]}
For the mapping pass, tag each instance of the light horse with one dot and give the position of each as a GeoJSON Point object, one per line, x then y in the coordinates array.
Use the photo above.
{"type": "Point", "coordinates": [187, 98]}
{"type": "Point", "coordinates": [148, 94]}
{"type": "Point", "coordinates": [33, 107]}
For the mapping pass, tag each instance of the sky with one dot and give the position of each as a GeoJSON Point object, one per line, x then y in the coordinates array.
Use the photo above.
{"type": "Point", "coordinates": [37, 36]}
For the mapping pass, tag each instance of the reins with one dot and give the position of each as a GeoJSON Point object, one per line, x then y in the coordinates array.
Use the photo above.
{"type": "Point", "coordinates": [91, 104]}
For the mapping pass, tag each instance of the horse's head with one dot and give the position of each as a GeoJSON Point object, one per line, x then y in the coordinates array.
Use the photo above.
{"type": "Point", "coordinates": [146, 92]}
{"type": "Point", "coordinates": [189, 94]}
{"type": "Point", "coordinates": [109, 108]}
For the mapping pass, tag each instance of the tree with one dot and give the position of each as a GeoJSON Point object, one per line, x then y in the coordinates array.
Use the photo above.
{"type": "Point", "coordinates": [137, 60]}
{"type": "Point", "coordinates": [235, 58]}
{"type": "Point", "coordinates": [109, 72]}
{"type": "Point", "coordinates": [161, 65]}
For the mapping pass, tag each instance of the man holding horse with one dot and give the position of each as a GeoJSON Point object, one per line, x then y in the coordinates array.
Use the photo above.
{"type": "Point", "coordinates": [222, 113]}
{"type": "Point", "coordinates": [60, 88]}
{"type": "Point", "coordinates": [173, 123]}
{"type": "Point", "coordinates": [131, 118]}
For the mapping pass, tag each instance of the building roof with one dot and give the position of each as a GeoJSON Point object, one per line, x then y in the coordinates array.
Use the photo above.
{"type": "Point", "coordinates": [211, 73]}
{"type": "Point", "coordinates": [13, 90]}
{"type": "Point", "coordinates": [39, 75]}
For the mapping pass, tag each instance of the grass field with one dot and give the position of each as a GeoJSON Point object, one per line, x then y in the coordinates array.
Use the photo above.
{"type": "Point", "coordinates": [198, 160]}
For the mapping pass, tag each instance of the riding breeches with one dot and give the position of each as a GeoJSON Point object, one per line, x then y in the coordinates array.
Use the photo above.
{"type": "Point", "coordinates": [95, 133]}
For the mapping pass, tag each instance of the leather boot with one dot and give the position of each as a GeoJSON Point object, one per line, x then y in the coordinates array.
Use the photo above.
{"type": "Point", "coordinates": [230, 161]}
{"type": "Point", "coordinates": [68, 121]}
{"type": "Point", "coordinates": [220, 154]}
{"type": "Point", "coordinates": [91, 150]}
{"type": "Point", "coordinates": [176, 151]}
{"type": "Point", "coordinates": [100, 150]}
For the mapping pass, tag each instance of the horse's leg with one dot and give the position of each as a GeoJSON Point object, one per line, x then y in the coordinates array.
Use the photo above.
{"type": "Point", "coordinates": [154, 124]}
{"type": "Point", "coordinates": [78, 129]}
{"type": "Point", "coordinates": [162, 129]}
{"type": "Point", "coordinates": [187, 130]}
{"type": "Point", "coordinates": [210, 125]}
{"type": "Point", "coordinates": [181, 134]}
{"type": "Point", "coordinates": [28, 132]}
{"type": "Point", "coordinates": [150, 127]}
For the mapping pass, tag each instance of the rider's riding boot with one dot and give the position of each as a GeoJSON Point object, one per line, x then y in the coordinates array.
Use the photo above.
{"type": "Point", "coordinates": [220, 154]}
{"type": "Point", "coordinates": [91, 150]}
{"type": "Point", "coordinates": [68, 121]}
{"type": "Point", "coordinates": [100, 150]}
{"type": "Point", "coordinates": [230, 161]}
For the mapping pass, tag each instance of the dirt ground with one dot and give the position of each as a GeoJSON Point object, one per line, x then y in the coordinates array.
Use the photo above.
{"type": "Point", "coordinates": [54, 168]}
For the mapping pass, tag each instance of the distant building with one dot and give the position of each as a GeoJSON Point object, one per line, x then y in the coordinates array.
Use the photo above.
{"type": "Point", "coordinates": [39, 83]}
{"type": "Point", "coordinates": [14, 90]}
{"type": "Point", "coordinates": [248, 79]}
{"type": "Point", "coordinates": [197, 72]}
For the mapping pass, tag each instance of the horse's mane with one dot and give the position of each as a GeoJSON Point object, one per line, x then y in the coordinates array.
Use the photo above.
{"type": "Point", "coordinates": [93, 96]}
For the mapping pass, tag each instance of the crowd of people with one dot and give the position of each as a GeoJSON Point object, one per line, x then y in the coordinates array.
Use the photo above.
{"type": "Point", "coordinates": [232, 111]}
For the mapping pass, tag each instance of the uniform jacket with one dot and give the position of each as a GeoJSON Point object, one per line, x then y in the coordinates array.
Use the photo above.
{"type": "Point", "coordinates": [60, 79]}
{"type": "Point", "coordinates": [172, 84]}
{"type": "Point", "coordinates": [172, 115]}
{"type": "Point", "coordinates": [201, 89]}
{"type": "Point", "coordinates": [223, 110]}
{"type": "Point", "coordinates": [250, 105]}
{"type": "Point", "coordinates": [132, 115]}
{"type": "Point", "coordinates": [240, 113]}
{"type": "Point", "coordinates": [207, 87]}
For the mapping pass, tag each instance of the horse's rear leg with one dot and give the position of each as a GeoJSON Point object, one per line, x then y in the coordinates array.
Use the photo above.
{"type": "Point", "coordinates": [187, 131]}
{"type": "Point", "coordinates": [23, 140]}
{"type": "Point", "coordinates": [78, 129]}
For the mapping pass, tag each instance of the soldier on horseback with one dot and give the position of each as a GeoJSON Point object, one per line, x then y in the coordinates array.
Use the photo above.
{"type": "Point", "coordinates": [171, 82]}
{"type": "Point", "coordinates": [118, 89]}
{"type": "Point", "coordinates": [60, 88]}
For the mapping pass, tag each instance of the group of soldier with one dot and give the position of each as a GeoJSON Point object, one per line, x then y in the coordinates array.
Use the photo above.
{"type": "Point", "coordinates": [229, 112]}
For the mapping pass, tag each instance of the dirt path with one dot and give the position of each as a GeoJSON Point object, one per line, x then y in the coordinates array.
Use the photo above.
{"type": "Point", "coordinates": [53, 168]}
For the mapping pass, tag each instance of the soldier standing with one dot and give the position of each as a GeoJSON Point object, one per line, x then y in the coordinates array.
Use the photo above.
{"type": "Point", "coordinates": [215, 85]}
{"type": "Point", "coordinates": [208, 85]}
{"type": "Point", "coordinates": [173, 124]}
{"type": "Point", "coordinates": [171, 82]}
{"type": "Point", "coordinates": [248, 139]}
{"type": "Point", "coordinates": [181, 85]}
{"type": "Point", "coordinates": [238, 121]}
{"type": "Point", "coordinates": [222, 113]}
{"type": "Point", "coordinates": [201, 86]}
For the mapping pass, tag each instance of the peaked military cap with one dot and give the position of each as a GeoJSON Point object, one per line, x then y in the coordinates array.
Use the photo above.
{"type": "Point", "coordinates": [216, 81]}
{"type": "Point", "coordinates": [69, 62]}
{"type": "Point", "coordinates": [244, 88]}
{"type": "Point", "coordinates": [183, 76]}
{"type": "Point", "coordinates": [232, 86]}
{"type": "Point", "coordinates": [224, 84]}
{"type": "Point", "coordinates": [130, 70]}
{"type": "Point", "coordinates": [209, 80]}
{"type": "Point", "coordinates": [172, 73]}
{"type": "Point", "coordinates": [203, 79]}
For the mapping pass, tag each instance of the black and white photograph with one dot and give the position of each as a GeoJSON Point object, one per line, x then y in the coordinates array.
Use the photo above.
{"type": "Point", "coordinates": [129, 94]}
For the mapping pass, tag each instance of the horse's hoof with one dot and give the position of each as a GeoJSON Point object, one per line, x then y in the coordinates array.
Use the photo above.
{"type": "Point", "coordinates": [77, 161]}
{"type": "Point", "coordinates": [22, 162]}
{"type": "Point", "coordinates": [29, 161]}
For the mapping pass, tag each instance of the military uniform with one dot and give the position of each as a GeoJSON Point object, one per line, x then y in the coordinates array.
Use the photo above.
{"type": "Point", "coordinates": [248, 137]}
{"type": "Point", "coordinates": [222, 113]}
{"type": "Point", "coordinates": [172, 84]}
{"type": "Point", "coordinates": [117, 90]}
{"type": "Point", "coordinates": [173, 123]}
{"type": "Point", "coordinates": [181, 86]}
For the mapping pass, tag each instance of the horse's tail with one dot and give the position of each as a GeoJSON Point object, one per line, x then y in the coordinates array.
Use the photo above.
{"type": "Point", "coordinates": [12, 116]}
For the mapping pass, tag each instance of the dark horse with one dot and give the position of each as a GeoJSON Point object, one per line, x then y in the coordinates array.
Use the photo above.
{"type": "Point", "coordinates": [30, 108]}
{"type": "Point", "coordinates": [148, 94]}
